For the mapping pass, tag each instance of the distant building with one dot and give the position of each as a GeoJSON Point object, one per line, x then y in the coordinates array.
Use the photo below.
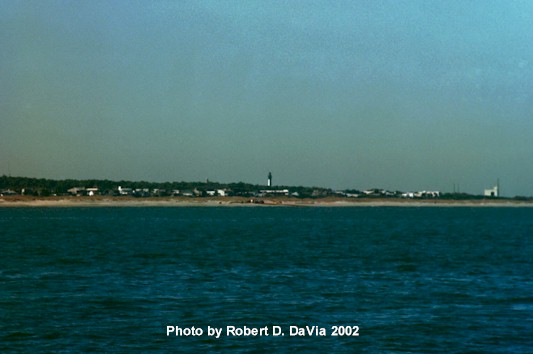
{"type": "Point", "coordinates": [492, 192]}
{"type": "Point", "coordinates": [187, 193]}
{"type": "Point", "coordinates": [272, 192]}
{"type": "Point", "coordinates": [7, 193]}
{"type": "Point", "coordinates": [82, 191]}
{"type": "Point", "coordinates": [269, 180]}
{"type": "Point", "coordinates": [141, 192]}
{"type": "Point", "coordinates": [421, 194]}
{"type": "Point", "coordinates": [125, 191]}
{"type": "Point", "coordinates": [77, 191]}
{"type": "Point", "coordinates": [92, 191]}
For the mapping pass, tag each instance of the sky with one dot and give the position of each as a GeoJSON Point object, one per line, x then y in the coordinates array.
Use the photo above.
{"type": "Point", "coordinates": [403, 95]}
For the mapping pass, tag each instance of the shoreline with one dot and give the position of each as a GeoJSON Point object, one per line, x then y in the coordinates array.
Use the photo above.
{"type": "Point", "coordinates": [102, 201]}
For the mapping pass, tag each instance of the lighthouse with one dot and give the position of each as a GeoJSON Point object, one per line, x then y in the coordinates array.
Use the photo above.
{"type": "Point", "coordinates": [269, 181]}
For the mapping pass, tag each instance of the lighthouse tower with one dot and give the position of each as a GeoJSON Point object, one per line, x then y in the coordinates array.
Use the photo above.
{"type": "Point", "coordinates": [269, 181]}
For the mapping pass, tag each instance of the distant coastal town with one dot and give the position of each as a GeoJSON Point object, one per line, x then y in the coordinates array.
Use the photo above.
{"type": "Point", "coordinates": [24, 186]}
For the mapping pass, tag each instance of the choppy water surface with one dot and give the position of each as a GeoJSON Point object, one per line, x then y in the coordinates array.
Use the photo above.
{"type": "Point", "coordinates": [412, 279]}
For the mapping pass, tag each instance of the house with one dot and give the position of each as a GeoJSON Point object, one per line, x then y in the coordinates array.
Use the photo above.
{"type": "Point", "coordinates": [346, 194]}
{"type": "Point", "coordinates": [77, 191]}
{"type": "Point", "coordinates": [273, 192]}
{"type": "Point", "coordinates": [187, 193]}
{"type": "Point", "coordinates": [91, 191]}
{"type": "Point", "coordinates": [125, 191]}
{"type": "Point", "coordinates": [351, 195]}
{"type": "Point", "coordinates": [222, 192]}
{"type": "Point", "coordinates": [375, 192]}
{"type": "Point", "coordinates": [421, 194]}
{"type": "Point", "coordinates": [431, 194]}
{"type": "Point", "coordinates": [159, 192]}
{"type": "Point", "coordinates": [141, 192]}
{"type": "Point", "coordinates": [7, 193]}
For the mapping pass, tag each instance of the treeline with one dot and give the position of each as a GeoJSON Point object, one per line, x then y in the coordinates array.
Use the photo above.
{"type": "Point", "coordinates": [46, 187]}
{"type": "Point", "coordinates": [52, 186]}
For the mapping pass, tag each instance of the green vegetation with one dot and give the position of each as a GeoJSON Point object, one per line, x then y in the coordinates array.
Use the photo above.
{"type": "Point", "coordinates": [49, 187]}
{"type": "Point", "coordinates": [43, 187]}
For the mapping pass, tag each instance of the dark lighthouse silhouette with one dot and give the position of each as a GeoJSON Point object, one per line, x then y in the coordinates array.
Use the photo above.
{"type": "Point", "coordinates": [269, 181]}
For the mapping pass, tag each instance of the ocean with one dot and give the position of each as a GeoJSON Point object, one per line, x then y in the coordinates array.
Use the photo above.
{"type": "Point", "coordinates": [266, 279]}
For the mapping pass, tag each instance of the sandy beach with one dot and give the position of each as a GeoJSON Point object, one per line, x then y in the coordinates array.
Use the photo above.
{"type": "Point", "coordinates": [101, 201]}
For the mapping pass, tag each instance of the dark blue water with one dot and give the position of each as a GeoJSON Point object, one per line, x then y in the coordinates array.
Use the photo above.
{"type": "Point", "coordinates": [411, 279]}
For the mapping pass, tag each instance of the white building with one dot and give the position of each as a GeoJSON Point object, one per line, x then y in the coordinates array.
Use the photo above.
{"type": "Point", "coordinates": [125, 191]}
{"type": "Point", "coordinates": [492, 192]}
{"type": "Point", "coordinates": [222, 192]}
{"type": "Point", "coordinates": [92, 191]}
{"type": "Point", "coordinates": [266, 192]}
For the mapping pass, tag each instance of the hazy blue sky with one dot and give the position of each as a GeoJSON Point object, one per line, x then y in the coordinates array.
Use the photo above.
{"type": "Point", "coordinates": [406, 95]}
